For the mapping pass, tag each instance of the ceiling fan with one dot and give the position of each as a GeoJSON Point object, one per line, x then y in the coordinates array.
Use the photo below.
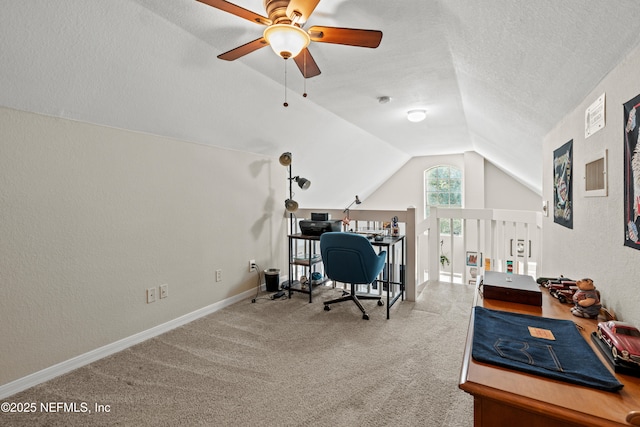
{"type": "Point", "coordinates": [285, 35]}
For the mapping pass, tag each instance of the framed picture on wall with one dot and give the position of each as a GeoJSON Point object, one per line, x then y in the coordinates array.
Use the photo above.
{"type": "Point", "coordinates": [472, 275]}
{"type": "Point", "coordinates": [631, 174]}
{"type": "Point", "coordinates": [509, 265]}
{"type": "Point", "coordinates": [563, 185]}
{"type": "Point", "coordinates": [521, 249]}
{"type": "Point", "coordinates": [472, 259]}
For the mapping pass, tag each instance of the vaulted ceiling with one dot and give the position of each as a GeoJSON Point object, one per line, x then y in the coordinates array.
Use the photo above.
{"type": "Point", "coordinates": [494, 76]}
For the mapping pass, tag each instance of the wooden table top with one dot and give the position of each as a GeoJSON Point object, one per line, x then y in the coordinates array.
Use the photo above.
{"type": "Point", "coordinates": [578, 404]}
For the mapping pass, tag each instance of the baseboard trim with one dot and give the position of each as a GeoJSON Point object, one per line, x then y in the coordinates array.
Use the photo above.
{"type": "Point", "coordinates": [61, 368]}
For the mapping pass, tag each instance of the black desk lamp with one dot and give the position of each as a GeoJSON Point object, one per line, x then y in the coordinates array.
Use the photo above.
{"type": "Point", "coordinates": [346, 219]}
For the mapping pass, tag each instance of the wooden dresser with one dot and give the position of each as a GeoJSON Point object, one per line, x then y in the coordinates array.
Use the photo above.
{"type": "Point", "coordinates": [504, 397]}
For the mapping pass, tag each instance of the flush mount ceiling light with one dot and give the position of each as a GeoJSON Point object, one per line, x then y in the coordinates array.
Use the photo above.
{"type": "Point", "coordinates": [416, 115]}
{"type": "Point", "coordinates": [286, 40]}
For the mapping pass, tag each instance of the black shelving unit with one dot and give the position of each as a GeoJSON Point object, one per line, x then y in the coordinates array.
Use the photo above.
{"type": "Point", "coordinates": [308, 260]}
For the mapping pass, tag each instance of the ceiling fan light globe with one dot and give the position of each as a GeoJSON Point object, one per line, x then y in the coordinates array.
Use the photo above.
{"type": "Point", "coordinates": [286, 40]}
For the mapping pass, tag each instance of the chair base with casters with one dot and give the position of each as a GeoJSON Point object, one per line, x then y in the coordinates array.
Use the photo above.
{"type": "Point", "coordinates": [350, 258]}
{"type": "Point", "coordinates": [356, 299]}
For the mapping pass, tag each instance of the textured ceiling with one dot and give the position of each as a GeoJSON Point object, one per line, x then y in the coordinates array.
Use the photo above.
{"type": "Point", "coordinates": [494, 76]}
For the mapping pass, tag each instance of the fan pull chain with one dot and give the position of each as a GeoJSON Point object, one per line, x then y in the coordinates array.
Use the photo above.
{"type": "Point", "coordinates": [304, 78]}
{"type": "Point", "coordinates": [286, 104]}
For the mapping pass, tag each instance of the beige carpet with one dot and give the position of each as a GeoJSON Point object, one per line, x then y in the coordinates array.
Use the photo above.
{"type": "Point", "coordinates": [280, 363]}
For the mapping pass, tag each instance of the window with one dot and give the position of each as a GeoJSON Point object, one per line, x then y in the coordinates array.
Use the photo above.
{"type": "Point", "coordinates": [443, 188]}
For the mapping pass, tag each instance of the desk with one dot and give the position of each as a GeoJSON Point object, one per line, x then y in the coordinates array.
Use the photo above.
{"type": "Point", "coordinates": [389, 243]}
{"type": "Point", "coordinates": [503, 397]}
{"type": "Point", "coordinates": [311, 256]}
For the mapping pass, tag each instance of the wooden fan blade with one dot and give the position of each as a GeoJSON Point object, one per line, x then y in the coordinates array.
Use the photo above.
{"type": "Point", "coordinates": [303, 7]}
{"type": "Point", "coordinates": [307, 64]}
{"type": "Point", "coordinates": [238, 11]}
{"type": "Point", "coordinates": [244, 49]}
{"type": "Point", "coordinates": [346, 36]}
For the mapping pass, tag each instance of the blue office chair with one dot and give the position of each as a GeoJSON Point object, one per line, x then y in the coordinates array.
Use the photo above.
{"type": "Point", "coordinates": [350, 258]}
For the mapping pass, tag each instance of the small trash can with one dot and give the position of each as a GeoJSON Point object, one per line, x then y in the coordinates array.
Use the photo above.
{"type": "Point", "coordinates": [272, 279]}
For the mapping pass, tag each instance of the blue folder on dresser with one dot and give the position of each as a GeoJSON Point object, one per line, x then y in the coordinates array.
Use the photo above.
{"type": "Point", "coordinates": [505, 339]}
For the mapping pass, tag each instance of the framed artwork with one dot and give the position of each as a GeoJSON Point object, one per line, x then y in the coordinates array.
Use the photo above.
{"type": "Point", "coordinates": [520, 248]}
{"type": "Point", "coordinates": [563, 185]}
{"type": "Point", "coordinates": [472, 274]}
{"type": "Point", "coordinates": [594, 117]}
{"type": "Point", "coordinates": [631, 174]}
{"type": "Point", "coordinates": [472, 259]}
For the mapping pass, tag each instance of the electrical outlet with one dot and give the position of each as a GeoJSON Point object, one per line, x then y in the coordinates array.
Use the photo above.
{"type": "Point", "coordinates": [218, 275]}
{"type": "Point", "coordinates": [151, 295]}
{"type": "Point", "coordinates": [252, 265]}
{"type": "Point", "coordinates": [164, 291]}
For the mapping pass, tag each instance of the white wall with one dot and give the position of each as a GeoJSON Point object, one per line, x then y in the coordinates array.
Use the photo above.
{"type": "Point", "coordinates": [485, 186]}
{"type": "Point", "coordinates": [594, 247]}
{"type": "Point", "coordinates": [406, 187]}
{"type": "Point", "coordinates": [92, 216]}
{"type": "Point", "coordinates": [474, 177]}
{"type": "Point", "coordinates": [503, 192]}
